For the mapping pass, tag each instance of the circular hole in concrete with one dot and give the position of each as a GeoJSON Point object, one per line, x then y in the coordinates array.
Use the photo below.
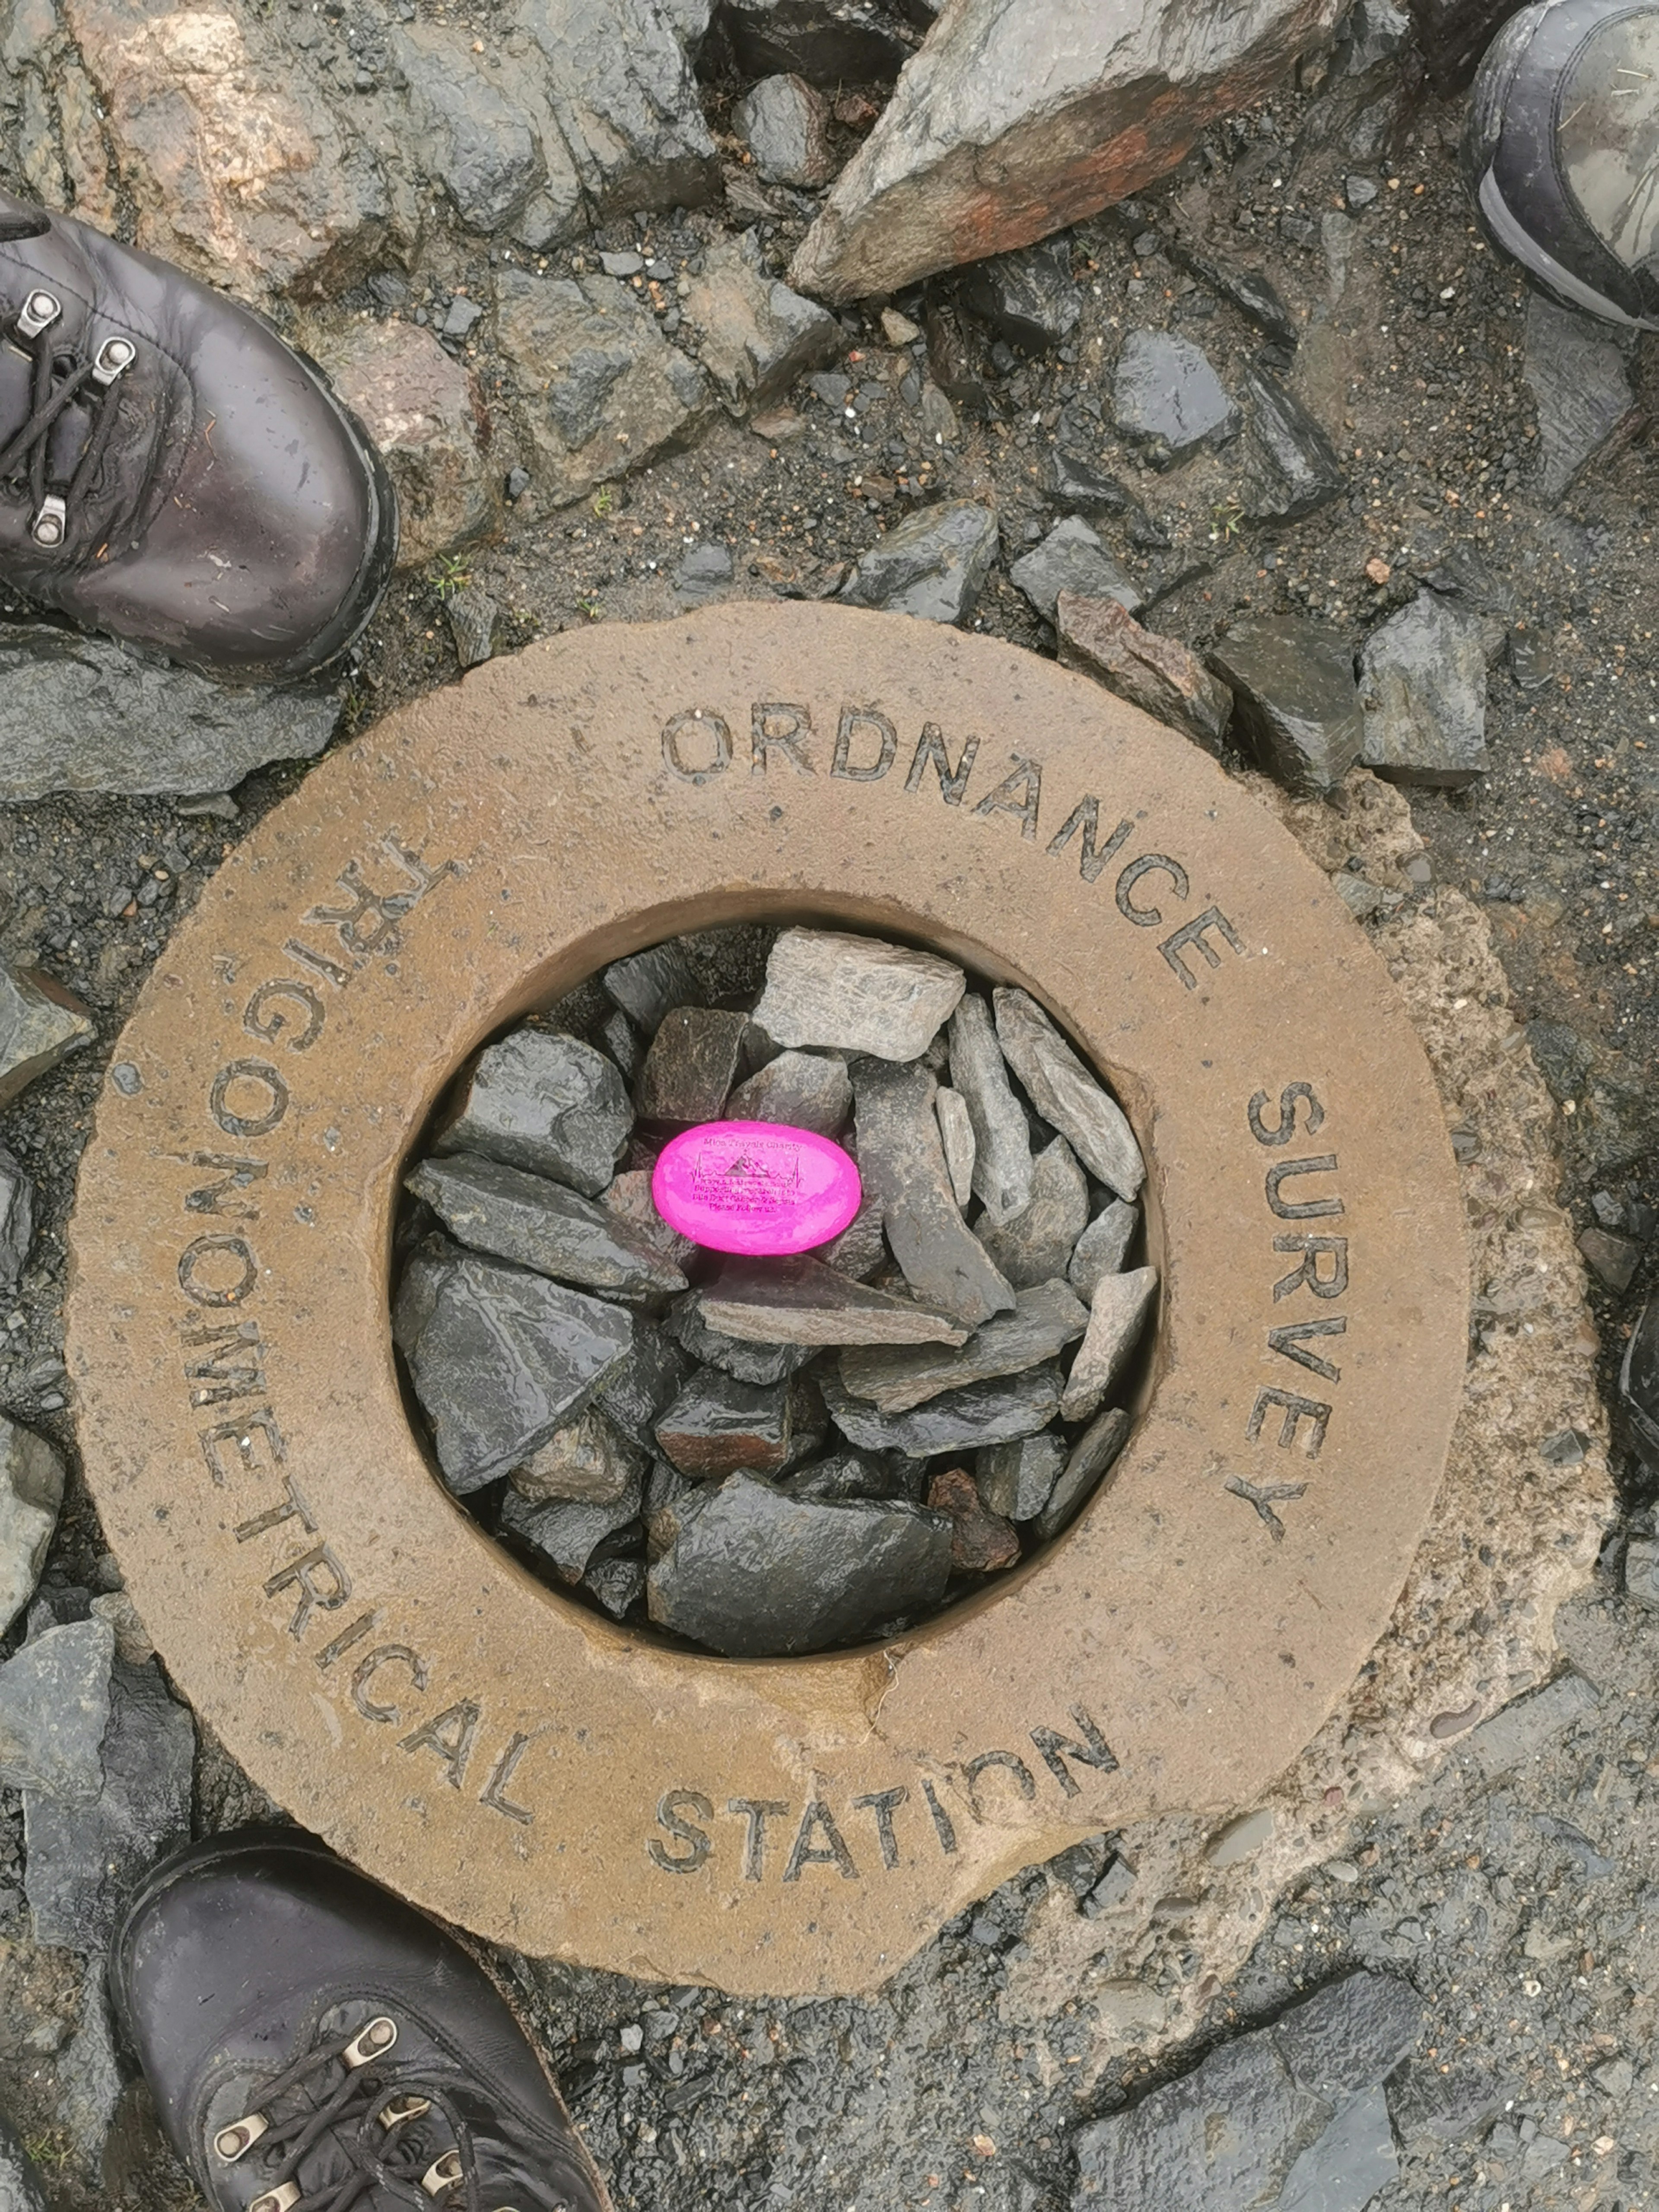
{"type": "Point", "coordinates": [891, 1444]}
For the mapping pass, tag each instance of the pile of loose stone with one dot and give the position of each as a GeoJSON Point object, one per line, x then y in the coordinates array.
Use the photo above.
{"type": "Point", "coordinates": [776, 1455]}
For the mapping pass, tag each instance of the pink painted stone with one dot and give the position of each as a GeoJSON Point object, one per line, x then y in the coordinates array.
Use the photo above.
{"type": "Point", "coordinates": [756, 1187]}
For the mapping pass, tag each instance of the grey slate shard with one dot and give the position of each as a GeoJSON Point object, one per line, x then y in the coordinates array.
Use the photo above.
{"type": "Point", "coordinates": [1017, 1480]}
{"type": "Point", "coordinates": [1028, 297]}
{"type": "Point", "coordinates": [1117, 1316]}
{"type": "Point", "coordinates": [17, 1220]}
{"type": "Point", "coordinates": [1002, 1143]}
{"type": "Point", "coordinates": [843, 1474]}
{"type": "Point", "coordinates": [856, 995]}
{"type": "Point", "coordinates": [1455, 2106]}
{"type": "Point", "coordinates": [901, 1159]}
{"type": "Point", "coordinates": [691, 1065]}
{"type": "Point", "coordinates": [55, 1710]}
{"type": "Point", "coordinates": [1247, 290]}
{"type": "Point", "coordinates": [546, 1103]}
{"type": "Point", "coordinates": [1166, 396]}
{"type": "Point", "coordinates": [861, 1248]}
{"type": "Point", "coordinates": [98, 719]}
{"type": "Point", "coordinates": [1291, 468]}
{"type": "Point", "coordinates": [800, 1089]}
{"type": "Point", "coordinates": [647, 1379]}
{"type": "Point", "coordinates": [1065, 1093]}
{"type": "Point", "coordinates": [481, 145]}
{"type": "Point", "coordinates": [1072, 558]}
{"type": "Point", "coordinates": [619, 80]}
{"type": "Point", "coordinates": [1296, 705]}
{"type": "Point", "coordinates": [539, 1225]}
{"type": "Point", "coordinates": [1036, 1245]}
{"type": "Point", "coordinates": [31, 1494]}
{"type": "Point", "coordinates": [932, 564]}
{"type": "Point", "coordinates": [1350, 2165]}
{"type": "Point", "coordinates": [89, 2083]}
{"type": "Point", "coordinates": [1423, 692]}
{"type": "Point", "coordinates": [1529, 1725]}
{"type": "Point", "coordinates": [566, 1532]}
{"type": "Point", "coordinates": [896, 1377]}
{"type": "Point", "coordinates": [1085, 489]}
{"type": "Point", "coordinates": [1104, 1247]}
{"type": "Point", "coordinates": [754, 1572]}
{"type": "Point", "coordinates": [1578, 369]}
{"type": "Point", "coordinates": [648, 985]}
{"type": "Point", "coordinates": [800, 1300]}
{"type": "Point", "coordinates": [996, 1412]}
{"type": "Point", "coordinates": [1351, 2034]}
{"type": "Point", "coordinates": [83, 1860]}
{"type": "Point", "coordinates": [718, 1424]}
{"type": "Point", "coordinates": [618, 1584]}
{"type": "Point", "coordinates": [785, 123]}
{"type": "Point", "coordinates": [1090, 1460]}
{"type": "Point", "coordinates": [745, 1362]}
{"type": "Point", "coordinates": [500, 1358]}
{"type": "Point", "coordinates": [589, 1460]}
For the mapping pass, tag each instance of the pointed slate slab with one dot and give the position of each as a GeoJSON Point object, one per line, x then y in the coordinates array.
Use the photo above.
{"type": "Point", "coordinates": [1064, 1092]}
{"type": "Point", "coordinates": [901, 1160]}
{"type": "Point", "coordinates": [539, 1225]}
{"type": "Point", "coordinates": [802, 1301]}
{"type": "Point", "coordinates": [1045, 1319]}
{"type": "Point", "coordinates": [995, 1412]}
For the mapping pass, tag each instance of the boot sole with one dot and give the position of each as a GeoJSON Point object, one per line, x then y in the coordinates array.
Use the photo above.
{"type": "Point", "coordinates": [251, 1842]}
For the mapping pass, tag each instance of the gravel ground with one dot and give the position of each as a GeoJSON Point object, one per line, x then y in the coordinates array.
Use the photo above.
{"type": "Point", "coordinates": [1519, 1906]}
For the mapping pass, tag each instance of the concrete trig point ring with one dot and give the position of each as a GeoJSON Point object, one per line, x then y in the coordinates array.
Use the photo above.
{"type": "Point", "coordinates": [521, 1766]}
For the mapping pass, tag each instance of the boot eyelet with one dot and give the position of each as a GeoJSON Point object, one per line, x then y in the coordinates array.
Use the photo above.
{"type": "Point", "coordinates": [113, 358]}
{"type": "Point", "coordinates": [443, 2174]}
{"type": "Point", "coordinates": [370, 2042]}
{"type": "Point", "coordinates": [51, 523]}
{"type": "Point", "coordinates": [277, 2200]}
{"type": "Point", "coordinates": [40, 311]}
{"type": "Point", "coordinates": [230, 2143]}
{"type": "Point", "coordinates": [403, 2109]}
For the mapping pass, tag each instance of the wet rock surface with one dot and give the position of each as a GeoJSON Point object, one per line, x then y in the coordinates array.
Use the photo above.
{"type": "Point", "coordinates": [549, 1104]}
{"type": "Point", "coordinates": [933, 565]}
{"type": "Point", "coordinates": [785, 123]}
{"type": "Point", "coordinates": [856, 995]}
{"type": "Point", "coordinates": [894, 1379]}
{"type": "Point", "coordinates": [1579, 374]}
{"type": "Point", "coordinates": [31, 1493]}
{"type": "Point", "coordinates": [803, 1301]}
{"type": "Point", "coordinates": [1295, 700]}
{"type": "Point", "coordinates": [1423, 691]}
{"type": "Point", "coordinates": [1101, 637]}
{"type": "Point", "coordinates": [41, 1022]}
{"type": "Point", "coordinates": [1072, 558]}
{"type": "Point", "coordinates": [512, 1215]}
{"type": "Point", "coordinates": [1168, 398]}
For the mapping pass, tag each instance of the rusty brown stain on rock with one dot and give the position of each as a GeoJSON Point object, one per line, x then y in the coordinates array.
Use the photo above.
{"type": "Point", "coordinates": [518, 1763]}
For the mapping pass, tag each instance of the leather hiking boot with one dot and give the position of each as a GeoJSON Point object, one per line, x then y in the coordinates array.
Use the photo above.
{"type": "Point", "coordinates": [170, 472]}
{"type": "Point", "coordinates": [314, 2045]}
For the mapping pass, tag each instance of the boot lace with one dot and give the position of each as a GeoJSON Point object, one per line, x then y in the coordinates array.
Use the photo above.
{"type": "Point", "coordinates": [363, 2109]}
{"type": "Point", "coordinates": [60, 378]}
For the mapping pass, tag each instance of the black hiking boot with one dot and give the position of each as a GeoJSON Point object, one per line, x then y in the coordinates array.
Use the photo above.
{"type": "Point", "coordinates": [1561, 153]}
{"type": "Point", "coordinates": [314, 2045]}
{"type": "Point", "coordinates": [170, 472]}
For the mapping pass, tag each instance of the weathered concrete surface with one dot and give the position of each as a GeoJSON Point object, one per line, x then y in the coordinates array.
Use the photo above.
{"type": "Point", "coordinates": [442, 1663]}
{"type": "Point", "coordinates": [1012, 122]}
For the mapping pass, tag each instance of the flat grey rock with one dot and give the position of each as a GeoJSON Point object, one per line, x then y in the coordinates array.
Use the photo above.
{"type": "Point", "coordinates": [1117, 1315]}
{"type": "Point", "coordinates": [1578, 370]}
{"type": "Point", "coordinates": [901, 1160]}
{"type": "Point", "coordinates": [1350, 2165]}
{"type": "Point", "coordinates": [895, 1378]}
{"type": "Point", "coordinates": [1017, 1480]}
{"type": "Point", "coordinates": [1066, 1094]}
{"type": "Point", "coordinates": [785, 123]}
{"type": "Point", "coordinates": [84, 715]}
{"type": "Point", "coordinates": [754, 1572]}
{"type": "Point", "coordinates": [472, 615]}
{"type": "Point", "coordinates": [1089, 1460]}
{"type": "Point", "coordinates": [31, 1496]}
{"type": "Point", "coordinates": [1290, 466]}
{"type": "Point", "coordinates": [718, 1424]}
{"type": "Point", "coordinates": [932, 565]}
{"type": "Point", "coordinates": [753, 335]}
{"type": "Point", "coordinates": [648, 986]}
{"type": "Point", "coordinates": [955, 1133]}
{"type": "Point", "coordinates": [1035, 1246]}
{"type": "Point", "coordinates": [649, 1378]}
{"type": "Point", "coordinates": [1104, 1247]}
{"type": "Point", "coordinates": [55, 1708]}
{"type": "Point", "coordinates": [856, 994]}
{"type": "Point", "coordinates": [539, 1223]}
{"type": "Point", "coordinates": [997, 1411]}
{"type": "Point", "coordinates": [16, 1223]}
{"type": "Point", "coordinates": [41, 1022]}
{"type": "Point", "coordinates": [802, 1301]}
{"type": "Point", "coordinates": [1351, 2034]}
{"type": "Point", "coordinates": [83, 1860]}
{"type": "Point", "coordinates": [843, 1474]}
{"type": "Point", "coordinates": [704, 575]}
{"type": "Point", "coordinates": [1072, 558]}
{"type": "Point", "coordinates": [1295, 702]}
{"type": "Point", "coordinates": [1167, 398]}
{"type": "Point", "coordinates": [1423, 692]}
{"type": "Point", "coordinates": [1028, 297]}
{"type": "Point", "coordinates": [500, 1358]}
{"type": "Point", "coordinates": [590, 1460]}
{"type": "Point", "coordinates": [566, 1532]}
{"type": "Point", "coordinates": [691, 1065]}
{"type": "Point", "coordinates": [798, 1089]}
{"type": "Point", "coordinates": [546, 1103]}
{"type": "Point", "coordinates": [735, 1356]}
{"type": "Point", "coordinates": [1002, 1145]}
{"type": "Point", "coordinates": [1528, 1726]}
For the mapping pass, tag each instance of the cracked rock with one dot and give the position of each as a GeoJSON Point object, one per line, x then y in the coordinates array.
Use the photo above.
{"type": "Point", "coordinates": [856, 994]}
{"type": "Point", "coordinates": [1036, 1245]}
{"type": "Point", "coordinates": [40, 1025]}
{"type": "Point", "coordinates": [546, 1103]}
{"type": "Point", "coordinates": [648, 986]}
{"type": "Point", "coordinates": [932, 564]}
{"type": "Point", "coordinates": [1072, 558]}
{"type": "Point", "coordinates": [1247, 290]}
{"type": "Point", "coordinates": [620, 84]}
{"type": "Point", "coordinates": [1295, 702]}
{"type": "Point", "coordinates": [845, 1474]}
{"type": "Point", "coordinates": [649, 1378]}
{"type": "Point", "coordinates": [734, 1356]}
{"type": "Point", "coordinates": [538, 1224]}
{"type": "Point", "coordinates": [475, 139]}
{"type": "Point", "coordinates": [31, 1497]}
{"type": "Point", "coordinates": [756, 336]}
{"type": "Point", "coordinates": [83, 714]}
{"type": "Point", "coordinates": [1423, 691]}
{"type": "Point", "coordinates": [1067, 1095]}
{"type": "Point", "coordinates": [754, 1572]}
{"type": "Point", "coordinates": [901, 1160]}
{"type": "Point", "coordinates": [500, 1358]}
{"type": "Point", "coordinates": [1100, 637]}
{"type": "Point", "coordinates": [718, 1424]}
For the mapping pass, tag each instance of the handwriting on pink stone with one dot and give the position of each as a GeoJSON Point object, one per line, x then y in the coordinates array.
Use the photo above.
{"type": "Point", "coordinates": [756, 1187]}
